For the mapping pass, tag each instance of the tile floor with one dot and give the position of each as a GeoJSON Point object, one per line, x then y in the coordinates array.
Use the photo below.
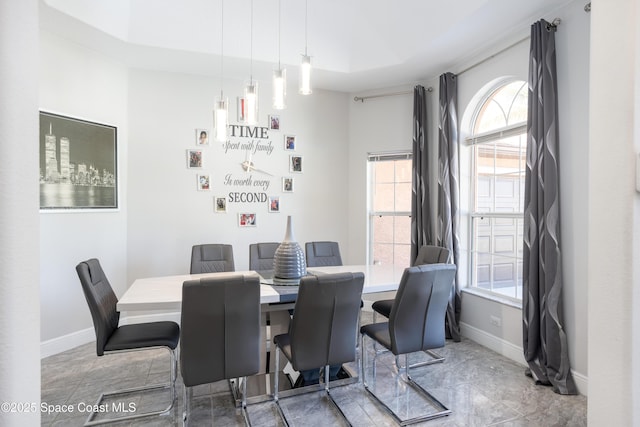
{"type": "Point", "coordinates": [481, 388]}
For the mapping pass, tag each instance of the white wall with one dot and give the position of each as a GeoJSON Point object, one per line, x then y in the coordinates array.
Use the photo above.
{"type": "Point", "coordinates": [19, 290]}
{"type": "Point", "coordinates": [167, 215]}
{"type": "Point", "coordinates": [614, 236]}
{"type": "Point", "coordinates": [385, 123]}
{"type": "Point", "coordinates": [375, 125]}
{"type": "Point", "coordinates": [161, 213]}
{"type": "Point", "coordinates": [77, 82]}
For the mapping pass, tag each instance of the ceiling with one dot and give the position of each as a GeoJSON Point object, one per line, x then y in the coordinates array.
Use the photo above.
{"type": "Point", "coordinates": [355, 45]}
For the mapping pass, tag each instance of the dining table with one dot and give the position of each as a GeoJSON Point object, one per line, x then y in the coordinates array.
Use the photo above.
{"type": "Point", "coordinates": [277, 299]}
{"type": "Point", "coordinates": [165, 292]}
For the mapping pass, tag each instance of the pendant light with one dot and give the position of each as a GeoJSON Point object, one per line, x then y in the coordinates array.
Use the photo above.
{"type": "Point", "coordinates": [279, 76]}
{"type": "Point", "coordinates": [305, 66]}
{"type": "Point", "coordinates": [251, 89]}
{"type": "Point", "coordinates": [221, 111]}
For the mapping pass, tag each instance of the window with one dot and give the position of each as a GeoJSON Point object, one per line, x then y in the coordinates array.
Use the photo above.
{"type": "Point", "coordinates": [390, 208]}
{"type": "Point", "coordinates": [498, 138]}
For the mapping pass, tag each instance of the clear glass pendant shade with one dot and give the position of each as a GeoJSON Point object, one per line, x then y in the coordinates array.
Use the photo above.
{"type": "Point", "coordinates": [279, 88]}
{"type": "Point", "coordinates": [251, 103]}
{"type": "Point", "coordinates": [305, 75]}
{"type": "Point", "coordinates": [221, 119]}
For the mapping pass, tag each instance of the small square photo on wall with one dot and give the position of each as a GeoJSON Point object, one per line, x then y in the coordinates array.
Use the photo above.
{"type": "Point", "coordinates": [202, 137]}
{"type": "Point", "coordinates": [220, 204]}
{"type": "Point", "coordinates": [204, 182]}
{"type": "Point", "coordinates": [194, 159]}
{"type": "Point", "coordinates": [287, 184]}
{"type": "Point", "coordinates": [247, 220]}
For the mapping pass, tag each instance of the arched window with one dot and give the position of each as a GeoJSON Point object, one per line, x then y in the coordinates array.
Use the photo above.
{"type": "Point", "coordinates": [497, 136]}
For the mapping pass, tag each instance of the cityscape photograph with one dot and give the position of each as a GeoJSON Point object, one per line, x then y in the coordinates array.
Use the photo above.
{"type": "Point", "coordinates": [78, 167]}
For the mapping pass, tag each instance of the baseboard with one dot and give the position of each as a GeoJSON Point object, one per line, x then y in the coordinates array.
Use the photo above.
{"type": "Point", "coordinates": [513, 352]}
{"type": "Point", "coordinates": [66, 342]}
{"type": "Point", "coordinates": [75, 339]}
{"type": "Point", "coordinates": [494, 343]}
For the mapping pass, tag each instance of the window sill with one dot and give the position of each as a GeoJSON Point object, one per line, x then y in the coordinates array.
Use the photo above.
{"type": "Point", "coordinates": [493, 297]}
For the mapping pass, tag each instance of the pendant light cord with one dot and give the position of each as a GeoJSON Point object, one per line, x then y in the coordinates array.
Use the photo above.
{"type": "Point", "coordinates": [306, 25]}
{"type": "Point", "coordinates": [221, 48]}
{"type": "Point", "coordinates": [251, 47]}
{"type": "Point", "coordinates": [279, 30]}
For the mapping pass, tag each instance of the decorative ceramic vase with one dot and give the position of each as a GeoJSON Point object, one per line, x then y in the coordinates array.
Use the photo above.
{"type": "Point", "coordinates": [289, 262]}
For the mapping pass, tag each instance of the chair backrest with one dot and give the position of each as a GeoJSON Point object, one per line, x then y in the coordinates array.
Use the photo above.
{"type": "Point", "coordinates": [324, 327]}
{"type": "Point", "coordinates": [321, 254]}
{"type": "Point", "coordinates": [220, 328]}
{"type": "Point", "coordinates": [416, 321]}
{"type": "Point", "coordinates": [261, 255]}
{"type": "Point", "coordinates": [101, 300]}
{"type": "Point", "coordinates": [211, 258]}
{"type": "Point", "coordinates": [429, 254]}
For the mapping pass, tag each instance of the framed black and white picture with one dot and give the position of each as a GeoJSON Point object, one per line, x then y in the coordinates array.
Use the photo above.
{"type": "Point", "coordinates": [220, 204]}
{"type": "Point", "coordinates": [295, 164]}
{"type": "Point", "coordinates": [78, 164]}
{"type": "Point", "coordinates": [287, 184]}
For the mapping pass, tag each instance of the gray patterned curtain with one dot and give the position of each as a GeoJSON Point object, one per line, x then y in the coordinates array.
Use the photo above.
{"type": "Point", "coordinates": [448, 190]}
{"type": "Point", "coordinates": [544, 338]}
{"type": "Point", "coordinates": [421, 233]}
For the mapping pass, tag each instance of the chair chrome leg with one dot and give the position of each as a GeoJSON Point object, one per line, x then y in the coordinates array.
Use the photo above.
{"type": "Point", "coordinates": [186, 413]}
{"type": "Point", "coordinates": [331, 399]}
{"type": "Point", "coordinates": [275, 387]}
{"type": "Point", "coordinates": [171, 385]}
{"type": "Point", "coordinates": [245, 413]}
{"type": "Point", "coordinates": [443, 410]}
{"type": "Point", "coordinates": [435, 358]}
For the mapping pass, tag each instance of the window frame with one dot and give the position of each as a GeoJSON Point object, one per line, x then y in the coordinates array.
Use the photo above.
{"type": "Point", "coordinates": [472, 141]}
{"type": "Point", "coordinates": [371, 213]}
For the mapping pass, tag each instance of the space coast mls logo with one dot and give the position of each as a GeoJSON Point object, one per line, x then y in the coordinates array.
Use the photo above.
{"type": "Point", "coordinates": [253, 180]}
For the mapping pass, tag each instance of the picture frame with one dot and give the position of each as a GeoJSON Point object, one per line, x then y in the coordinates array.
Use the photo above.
{"type": "Point", "coordinates": [246, 220]}
{"type": "Point", "coordinates": [194, 159]}
{"type": "Point", "coordinates": [287, 184]}
{"type": "Point", "coordinates": [290, 142]}
{"type": "Point", "coordinates": [274, 204]}
{"type": "Point", "coordinates": [274, 122]}
{"type": "Point", "coordinates": [220, 204]}
{"type": "Point", "coordinates": [241, 109]}
{"type": "Point", "coordinates": [78, 164]}
{"type": "Point", "coordinates": [202, 137]}
{"type": "Point", "coordinates": [204, 182]}
{"type": "Point", "coordinates": [295, 164]}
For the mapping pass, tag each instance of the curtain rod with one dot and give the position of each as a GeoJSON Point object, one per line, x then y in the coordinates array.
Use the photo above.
{"type": "Point", "coordinates": [554, 24]}
{"type": "Point", "coordinates": [381, 95]}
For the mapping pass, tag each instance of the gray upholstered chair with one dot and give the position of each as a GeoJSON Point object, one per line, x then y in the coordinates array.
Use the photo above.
{"type": "Point", "coordinates": [261, 255]}
{"type": "Point", "coordinates": [323, 331]}
{"type": "Point", "coordinates": [416, 323]}
{"type": "Point", "coordinates": [111, 338]}
{"type": "Point", "coordinates": [220, 333]}
{"type": "Point", "coordinates": [211, 258]}
{"type": "Point", "coordinates": [427, 254]}
{"type": "Point", "coordinates": [322, 254]}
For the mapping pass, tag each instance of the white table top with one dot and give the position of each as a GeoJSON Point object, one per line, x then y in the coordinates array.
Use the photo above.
{"type": "Point", "coordinates": [165, 293]}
